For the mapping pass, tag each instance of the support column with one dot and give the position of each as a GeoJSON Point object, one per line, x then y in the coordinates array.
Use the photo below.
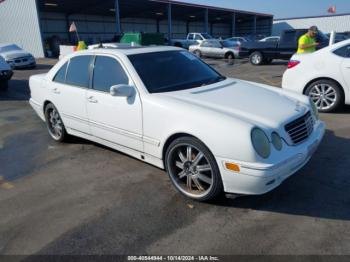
{"type": "Point", "coordinates": [206, 20]}
{"type": "Point", "coordinates": [170, 33]}
{"type": "Point", "coordinates": [117, 17]}
{"type": "Point", "coordinates": [254, 26]}
{"type": "Point", "coordinates": [187, 27]}
{"type": "Point", "coordinates": [233, 25]}
{"type": "Point", "coordinates": [68, 26]}
{"type": "Point", "coordinates": [157, 25]}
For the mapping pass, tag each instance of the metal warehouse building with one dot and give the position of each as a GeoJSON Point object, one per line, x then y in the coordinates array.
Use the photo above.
{"type": "Point", "coordinates": [32, 24]}
{"type": "Point", "coordinates": [328, 23]}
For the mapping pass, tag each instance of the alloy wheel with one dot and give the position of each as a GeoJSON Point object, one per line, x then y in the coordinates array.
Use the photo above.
{"type": "Point", "coordinates": [55, 124]}
{"type": "Point", "coordinates": [190, 170]}
{"type": "Point", "coordinates": [324, 96]}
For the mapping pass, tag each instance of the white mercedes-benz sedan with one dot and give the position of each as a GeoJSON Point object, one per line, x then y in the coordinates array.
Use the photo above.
{"type": "Point", "coordinates": [323, 75]}
{"type": "Point", "coordinates": [165, 106]}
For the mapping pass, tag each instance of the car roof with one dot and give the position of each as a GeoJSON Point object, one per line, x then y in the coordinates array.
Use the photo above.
{"type": "Point", "coordinates": [6, 44]}
{"type": "Point", "coordinates": [129, 50]}
{"type": "Point", "coordinates": [337, 45]}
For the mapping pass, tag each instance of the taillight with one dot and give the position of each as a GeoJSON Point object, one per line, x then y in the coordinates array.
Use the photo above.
{"type": "Point", "coordinates": [293, 63]}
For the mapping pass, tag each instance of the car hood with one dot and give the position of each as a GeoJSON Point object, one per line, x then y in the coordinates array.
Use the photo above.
{"type": "Point", "coordinates": [14, 54]}
{"type": "Point", "coordinates": [245, 101]}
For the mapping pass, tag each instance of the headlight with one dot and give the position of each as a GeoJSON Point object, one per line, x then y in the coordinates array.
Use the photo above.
{"type": "Point", "coordinates": [314, 108]}
{"type": "Point", "coordinates": [276, 141]}
{"type": "Point", "coordinates": [261, 142]}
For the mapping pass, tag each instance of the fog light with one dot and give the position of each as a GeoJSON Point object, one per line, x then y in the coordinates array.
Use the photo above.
{"type": "Point", "coordinates": [232, 167]}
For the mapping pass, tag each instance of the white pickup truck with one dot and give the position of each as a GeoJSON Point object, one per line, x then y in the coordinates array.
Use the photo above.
{"type": "Point", "coordinates": [192, 39]}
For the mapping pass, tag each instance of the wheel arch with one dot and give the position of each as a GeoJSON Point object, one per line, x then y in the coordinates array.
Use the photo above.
{"type": "Point", "coordinates": [324, 78]}
{"type": "Point", "coordinates": [229, 53]}
{"type": "Point", "coordinates": [175, 136]}
{"type": "Point", "coordinates": [46, 102]}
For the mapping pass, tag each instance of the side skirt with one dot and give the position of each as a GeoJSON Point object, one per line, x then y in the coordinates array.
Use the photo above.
{"type": "Point", "coordinates": [131, 152]}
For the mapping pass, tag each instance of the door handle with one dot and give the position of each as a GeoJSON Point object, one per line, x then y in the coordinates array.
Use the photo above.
{"type": "Point", "coordinates": [91, 99]}
{"type": "Point", "coordinates": [56, 91]}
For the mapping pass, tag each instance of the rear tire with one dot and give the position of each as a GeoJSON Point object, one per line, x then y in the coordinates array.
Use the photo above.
{"type": "Point", "coordinates": [256, 58]}
{"type": "Point", "coordinates": [198, 53]}
{"type": "Point", "coordinates": [229, 56]}
{"type": "Point", "coordinates": [55, 124]}
{"type": "Point", "coordinates": [193, 169]}
{"type": "Point", "coordinates": [327, 95]}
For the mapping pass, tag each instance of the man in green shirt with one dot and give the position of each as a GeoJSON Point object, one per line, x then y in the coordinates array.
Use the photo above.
{"type": "Point", "coordinates": [307, 43]}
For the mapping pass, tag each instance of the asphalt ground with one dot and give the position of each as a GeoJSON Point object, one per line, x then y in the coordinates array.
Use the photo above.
{"type": "Point", "coordinates": [83, 198]}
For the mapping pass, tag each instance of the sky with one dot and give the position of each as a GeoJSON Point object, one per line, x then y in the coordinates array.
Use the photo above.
{"type": "Point", "coordinates": [281, 8]}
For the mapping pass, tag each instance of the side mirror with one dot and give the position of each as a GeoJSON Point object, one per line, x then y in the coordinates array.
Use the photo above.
{"type": "Point", "coordinates": [122, 90]}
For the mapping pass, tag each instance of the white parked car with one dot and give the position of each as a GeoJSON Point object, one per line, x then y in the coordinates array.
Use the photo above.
{"type": "Point", "coordinates": [113, 45]}
{"type": "Point", "coordinates": [16, 57]}
{"type": "Point", "coordinates": [323, 75]}
{"type": "Point", "coordinates": [216, 49]}
{"type": "Point", "coordinates": [5, 74]}
{"type": "Point", "coordinates": [165, 106]}
{"type": "Point", "coordinates": [270, 39]}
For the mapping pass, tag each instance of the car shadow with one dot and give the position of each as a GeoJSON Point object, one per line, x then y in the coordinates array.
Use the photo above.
{"type": "Point", "coordinates": [319, 190]}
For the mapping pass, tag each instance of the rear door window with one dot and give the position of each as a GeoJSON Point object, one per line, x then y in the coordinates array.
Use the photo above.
{"type": "Point", "coordinates": [60, 76]}
{"type": "Point", "coordinates": [107, 73]}
{"type": "Point", "coordinates": [343, 51]}
{"type": "Point", "coordinates": [78, 73]}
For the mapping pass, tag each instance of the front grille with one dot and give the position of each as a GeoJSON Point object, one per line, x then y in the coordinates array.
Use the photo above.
{"type": "Point", "coordinates": [22, 59]}
{"type": "Point", "coordinates": [300, 129]}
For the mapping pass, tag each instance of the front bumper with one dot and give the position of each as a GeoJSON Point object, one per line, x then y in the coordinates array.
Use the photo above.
{"type": "Point", "coordinates": [19, 63]}
{"type": "Point", "coordinates": [257, 179]}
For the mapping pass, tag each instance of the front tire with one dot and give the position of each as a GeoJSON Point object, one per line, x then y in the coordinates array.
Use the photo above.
{"type": "Point", "coordinates": [256, 58]}
{"type": "Point", "coordinates": [193, 169]}
{"type": "Point", "coordinates": [326, 94]}
{"type": "Point", "coordinates": [55, 124]}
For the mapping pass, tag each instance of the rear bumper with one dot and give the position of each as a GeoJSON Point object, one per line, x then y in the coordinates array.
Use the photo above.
{"type": "Point", "coordinates": [255, 179]}
{"type": "Point", "coordinates": [38, 108]}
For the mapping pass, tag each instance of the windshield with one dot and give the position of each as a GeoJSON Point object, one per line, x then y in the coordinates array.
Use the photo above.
{"type": "Point", "coordinates": [10, 48]}
{"type": "Point", "coordinates": [173, 71]}
{"type": "Point", "coordinates": [207, 36]}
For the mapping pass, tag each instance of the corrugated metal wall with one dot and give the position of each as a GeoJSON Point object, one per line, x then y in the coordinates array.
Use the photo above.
{"type": "Point", "coordinates": [102, 28]}
{"type": "Point", "coordinates": [95, 28]}
{"type": "Point", "coordinates": [340, 23]}
{"type": "Point", "coordinates": [19, 24]}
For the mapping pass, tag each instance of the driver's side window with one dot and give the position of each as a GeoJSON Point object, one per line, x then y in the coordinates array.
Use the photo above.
{"type": "Point", "coordinates": [107, 73]}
